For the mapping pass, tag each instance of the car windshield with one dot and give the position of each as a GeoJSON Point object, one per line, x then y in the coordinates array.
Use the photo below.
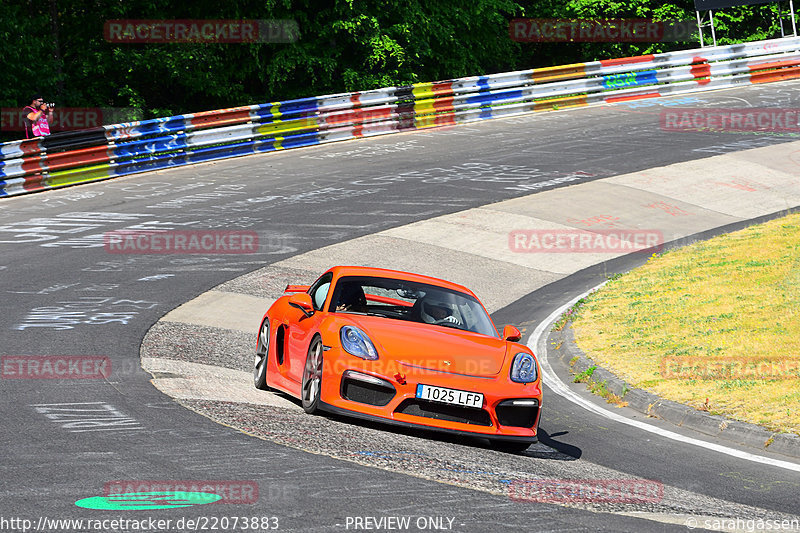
{"type": "Point", "coordinates": [407, 300]}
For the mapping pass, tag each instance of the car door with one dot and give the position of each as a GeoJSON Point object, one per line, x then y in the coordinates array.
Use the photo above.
{"type": "Point", "coordinates": [301, 328]}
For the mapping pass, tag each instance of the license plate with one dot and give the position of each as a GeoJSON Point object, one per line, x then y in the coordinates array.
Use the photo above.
{"type": "Point", "coordinates": [451, 396]}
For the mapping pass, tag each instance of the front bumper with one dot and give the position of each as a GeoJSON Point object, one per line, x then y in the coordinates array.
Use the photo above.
{"type": "Point", "coordinates": [369, 390]}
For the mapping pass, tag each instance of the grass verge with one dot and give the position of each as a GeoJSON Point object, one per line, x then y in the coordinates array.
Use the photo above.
{"type": "Point", "coordinates": [714, 325]}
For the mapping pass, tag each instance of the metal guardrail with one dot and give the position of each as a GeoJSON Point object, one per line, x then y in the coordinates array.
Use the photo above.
{"type": "Point", "coordinates": [89, 155]}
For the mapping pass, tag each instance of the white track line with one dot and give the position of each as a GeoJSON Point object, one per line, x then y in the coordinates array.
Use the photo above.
{"type": "Point", "coordinates": [538, 343]}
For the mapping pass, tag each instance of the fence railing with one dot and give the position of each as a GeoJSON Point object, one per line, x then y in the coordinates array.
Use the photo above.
{"type": "Point", "coordinates": [94, 154]}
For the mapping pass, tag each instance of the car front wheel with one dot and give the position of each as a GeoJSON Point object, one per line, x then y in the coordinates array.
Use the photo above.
{"type": "Point", "coordinates": [262, 350]}
{"type": "Point", "coordinates": [312, 377]}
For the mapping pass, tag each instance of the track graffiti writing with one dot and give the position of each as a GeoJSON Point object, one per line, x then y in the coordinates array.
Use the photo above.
{"type": "Point", "coordinates": [518, 178]}
{"type": "Point", "coordinates": [366, 151]}
{"type": "Point", "coordinates": [745, 144]}
{"type": "Point", "coordinates": [220, 193]}
{"type": "Point", "coordinates": [318, 196]}
{"type": "Point", "coordinates": [72, 230]}
{"type": "Point", "coordinates": [72, 196]}
{"type": "Point", "coordinates": [156, 277]}
{"type": "Point", "coordinates": [81, 417]}
{"type": "Point", "coordinates": [670, 209]}
{"type": "Point", "coordinates": [89, 287]}
{"type": "Point", "coordinates": [42, 229]}
{"type": "Point", "coordinates": [664, 102]}
{"type": "Point", "coordinates": [140, 263]}
{"type": "Point", "coordinates": [47, 290]}
{"type": "Point", "coordinates": [84, 311]}
{"type": "Point", "coordinates": [610, 221]}
{"type": "Point", "coordinates": [146, 190]}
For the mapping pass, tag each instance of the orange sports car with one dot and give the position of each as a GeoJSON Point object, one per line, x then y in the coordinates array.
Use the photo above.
{"type": "Point", "coordinates": [400, 348]}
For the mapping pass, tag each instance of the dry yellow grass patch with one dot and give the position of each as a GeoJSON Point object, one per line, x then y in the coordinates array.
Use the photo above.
{"type": "Point", "coordinates": [735, 298]}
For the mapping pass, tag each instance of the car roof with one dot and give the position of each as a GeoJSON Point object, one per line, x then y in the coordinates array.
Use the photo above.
{"type": "Point", "coordinates": [339, 271]}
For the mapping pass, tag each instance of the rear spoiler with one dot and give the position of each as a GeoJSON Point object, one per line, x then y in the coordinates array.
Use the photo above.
{"type": "Point", "coordinates": [388, 300]}
{"type": "Point", "coordinates": [370, 297]}
{"type": "Point", "coordinates": [296, 288]}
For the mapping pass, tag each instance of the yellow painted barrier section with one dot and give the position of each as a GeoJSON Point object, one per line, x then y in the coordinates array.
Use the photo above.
{"type": "Point", "coordinates": [424, 107]}
{"type": "Point", "coordinates": [557, 103]}
{"type": "Point", "coordinates": [563, 72]}
{"type": "Point", "coordinates": [422, 91]}
{"type": "Point", "coordinates": [433, 121]}
{"type": "Point", "coordinates": [77, 175]}
{"type": "Point", "coordinates": [286, 126]}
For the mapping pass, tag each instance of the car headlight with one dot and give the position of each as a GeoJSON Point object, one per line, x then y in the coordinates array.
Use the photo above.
{"type": "Point", "coordinates": [523, 369]}
{"type": "Point", "coordinates": [356, 342]}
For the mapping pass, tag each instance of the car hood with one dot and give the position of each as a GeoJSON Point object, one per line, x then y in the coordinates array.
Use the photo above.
{"type": "Point", "coordinates": [438, 348]}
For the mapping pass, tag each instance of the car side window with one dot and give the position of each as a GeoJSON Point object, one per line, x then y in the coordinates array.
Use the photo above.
{"type": "Point", "coordinates": [319, 291]}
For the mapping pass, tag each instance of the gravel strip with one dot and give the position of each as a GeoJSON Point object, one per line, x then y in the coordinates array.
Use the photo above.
{"type": "Point", "coordinates": [453, 460]}
{"type": "Point", "coordinates": [198, 344]}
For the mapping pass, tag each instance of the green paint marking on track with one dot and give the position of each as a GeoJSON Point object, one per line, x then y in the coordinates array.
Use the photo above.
{"type": "Point", "coordinates": [136, 501]}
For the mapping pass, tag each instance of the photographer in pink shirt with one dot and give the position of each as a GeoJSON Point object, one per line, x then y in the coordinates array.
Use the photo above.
{"type": "Point", "coordinates": [37, 117]}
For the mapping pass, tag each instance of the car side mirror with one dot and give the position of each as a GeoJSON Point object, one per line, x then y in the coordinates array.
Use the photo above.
{"type": "Point", "coordinates": [302, 301]}
{"type": "Point", "coordinates": [510, 333]}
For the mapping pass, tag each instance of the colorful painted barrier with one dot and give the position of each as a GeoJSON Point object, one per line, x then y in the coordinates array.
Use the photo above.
{"type": "Point", "coordinates": [100, 153]}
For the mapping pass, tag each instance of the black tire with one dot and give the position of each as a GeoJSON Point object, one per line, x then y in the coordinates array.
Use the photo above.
{"type": "Point", "coordinates": [311, 389]}
{"type": "Point", "coordinates": [262, 352]}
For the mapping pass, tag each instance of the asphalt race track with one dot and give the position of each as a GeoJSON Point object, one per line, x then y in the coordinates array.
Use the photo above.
{"type": "Point", "coordinates": [65, 294]}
